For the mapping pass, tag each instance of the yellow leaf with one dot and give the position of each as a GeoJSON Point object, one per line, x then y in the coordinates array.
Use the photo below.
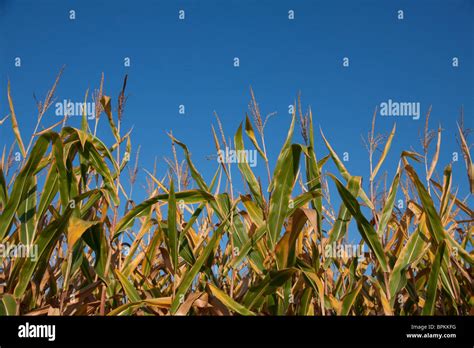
{"type": "Point", "coordinates": [384, 153]}
{"type": "Point", "coordinates": [16, 130]}
{"type": "Point", "coordinates": [76, 229]}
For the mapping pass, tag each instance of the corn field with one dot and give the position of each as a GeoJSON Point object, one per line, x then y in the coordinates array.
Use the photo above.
{"type": "Point", "coordinates": [197, 247]}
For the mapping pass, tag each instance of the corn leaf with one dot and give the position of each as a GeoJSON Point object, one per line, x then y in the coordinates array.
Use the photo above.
{"type": "Point", "coordinates": [430, 301]}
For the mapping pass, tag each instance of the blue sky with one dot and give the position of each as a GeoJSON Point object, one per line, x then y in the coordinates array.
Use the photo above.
{"type": "Point", "coordinates": [190, 62]}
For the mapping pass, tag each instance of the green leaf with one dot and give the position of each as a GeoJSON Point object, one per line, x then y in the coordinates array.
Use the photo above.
{"type": "Point", "coordinates": [433, 220]}
{"type": "Point", "coordinates": [48, 193]}
{"type": "Point", "coordinates": [20, 186]}
{"type": "Point", "coordinates": [445, 196]}
{"type": "Point", "coordinates": [228, 301]}
{"type": "Point", "coordinates": [305, 303]}
{"type": "Point", "coordinates": [246, 247]}
{"type": "Point", "coordinates": [350, 299]}
{"type": "Point", "coordinates": [172, 232]}
{"type": "Point", "coordinates": [272, 281]}
{"type": "Point", "coordinates": [365, 228]}
{"type": "Point", "coordinates": [27, 213]}
{"type": "Point", "coordinates": [3, 187]}
{"type": "Point", "coordinates": [339, 228]}
{"type": "Point", "coordinates": [285, 249]}
{"type": "Point", "coordinates": [84, 125]}
{"type": "Point", "coordinates": [244, 168]}
{"type": "Point", "coordinates": [189, 276]}
{"type": "Point", "coordinates": [283, 183]}
{"type": "Point", "coordinates": [128, 287]}
{"type": "Point", "coordinates": [8, 305]}
{"type": "Point", "coordinates": [389, 203]}
{"type": "Point", "coordinates": [191, 196]}
{"type": "Point", "coordinates": [284, 149]}
{"type": "Point", "coordinates": [101, 167]}
{"type": "Point", "coordinates": [96, 239]}
{"type": "Point", "coordinates": [194, 172]}
{"type": "Point", "coordinates": [411, 252]}
{"type": "Point", "coordinates": [345, 174]}
{"type": "Point", "coordinates": [45, 243]}
{"type": "Point", "coordinates": [313, 173]}
{"type": "Point", "coordinates": [254, 211]}
{"type": "Point", "coordinates": [430, 301]}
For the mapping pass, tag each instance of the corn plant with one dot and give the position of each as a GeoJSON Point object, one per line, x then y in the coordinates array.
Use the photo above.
{"type": "Point", "coordinates": [197, 247]}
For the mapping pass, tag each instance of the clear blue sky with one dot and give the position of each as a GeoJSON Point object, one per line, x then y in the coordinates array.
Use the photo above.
{"type": "Point", "coordinates": [190, 62]}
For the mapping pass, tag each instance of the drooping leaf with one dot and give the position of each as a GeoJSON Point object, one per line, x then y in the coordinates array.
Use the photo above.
{"type": "Point", "coordinates": [384, 153]}
{"type": "Point", "coordinates": [411, 251]}
{"type": "Point", "coordinates": [245, 169]}
{"type": "Point", "coordinates": [191, 196]}
{"type": "Point", "coordinates": [16, 129]}
{"type": "Point", "coordinates": [228, 301]}
{"type": "Point", "coordinates": [272, 281]}
{"type": "Point", "coordinates": [365, 228]}
{"type": "Point", "coordinates": [345, 174]}
{"type": "Point", "coordinates": [251, 134]}
{"type": "Point", "coordinates": [76, 229]}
